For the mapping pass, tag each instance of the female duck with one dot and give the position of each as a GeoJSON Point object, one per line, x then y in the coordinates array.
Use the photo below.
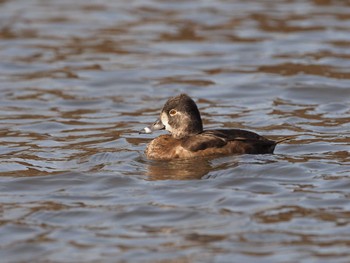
{"type": "Point", "coordinates": [180, 116]}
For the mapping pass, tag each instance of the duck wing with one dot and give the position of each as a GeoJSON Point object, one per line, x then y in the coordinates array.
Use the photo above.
{"type": "Point", "coordinates": [203, 141]}
{"type": "Point", "coordinates": [219, 138]}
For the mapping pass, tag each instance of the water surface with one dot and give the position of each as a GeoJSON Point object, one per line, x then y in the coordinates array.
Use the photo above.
{"type": "Point", "coordinates": [78, 80]}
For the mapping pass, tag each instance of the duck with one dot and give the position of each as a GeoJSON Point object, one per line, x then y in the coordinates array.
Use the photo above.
{"type": "Point", "coordinates": [187, 138]}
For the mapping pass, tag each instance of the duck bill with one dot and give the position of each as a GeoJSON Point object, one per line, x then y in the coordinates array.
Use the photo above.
{"type": "Point", "coordinates": [157, 125]}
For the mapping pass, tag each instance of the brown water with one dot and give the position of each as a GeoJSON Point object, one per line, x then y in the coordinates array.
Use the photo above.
{"type": "Point", "coordinates": [78, 79]}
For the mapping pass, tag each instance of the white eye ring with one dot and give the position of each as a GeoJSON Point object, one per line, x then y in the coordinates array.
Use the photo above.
{"type": "Point", "coordinates": [172, 112]}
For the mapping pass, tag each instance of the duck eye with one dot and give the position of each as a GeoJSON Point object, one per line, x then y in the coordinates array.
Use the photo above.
{"type": "Point", "coordinates": [172, 112]}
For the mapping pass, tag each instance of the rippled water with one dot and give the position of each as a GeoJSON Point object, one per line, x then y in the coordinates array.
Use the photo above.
{"type": "Point", "coordinates": [78, 79]}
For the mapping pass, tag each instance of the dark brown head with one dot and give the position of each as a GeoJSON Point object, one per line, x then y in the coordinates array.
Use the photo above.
{"type": "Point", "coordinates": [179, 116]}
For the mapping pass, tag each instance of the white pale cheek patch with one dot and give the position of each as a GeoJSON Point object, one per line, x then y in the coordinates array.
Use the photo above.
{"type": "Point", "coordinates": [165, 121]}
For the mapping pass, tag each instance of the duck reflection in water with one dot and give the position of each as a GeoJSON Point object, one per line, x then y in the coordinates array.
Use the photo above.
{"type": "Point", "coordinates": [179, 169]}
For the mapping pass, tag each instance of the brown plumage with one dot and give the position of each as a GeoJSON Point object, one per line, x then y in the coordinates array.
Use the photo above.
{"type": "Point", "coordinates": [180, 116]}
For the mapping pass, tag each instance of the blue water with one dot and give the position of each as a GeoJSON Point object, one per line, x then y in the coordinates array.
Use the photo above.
{"type": "Point", "coordinates": [79, 80]}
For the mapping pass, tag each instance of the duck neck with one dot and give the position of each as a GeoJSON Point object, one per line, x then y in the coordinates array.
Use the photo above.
{"type": "Point", "coordinates": [192, 127]}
